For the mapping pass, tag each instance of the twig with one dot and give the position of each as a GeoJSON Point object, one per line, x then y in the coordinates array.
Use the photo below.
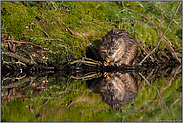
{"type": "Point", "coordinates": [31, 26]}
{"type": "Point", "coordinates": [10, 46]}
{"type": "Point", "coordinates": [167, 16]}
{"type": "Point", "coordinates": [163, 89]}
{"type": "Point", "coordinates": [158, 94]}
{"type": "Point", "coordinates": [15, 63]}
{"type": "Point", "coordinates": [155, 27]}
{"type": "Point", "coordinates": [21, 42]}
{"type": "Point", "coordinates": [72, 32]}
{"type": "Point", "coordinates": [32, 111]}
{"type": "Point", "coordinates": [161, 36]}
{"type": "Point", "coordinates": [54, 39]}
{"type": "Point", "coordinates": [68, 105]}
{"type": "Point", "coordinates": [32, 60]}
{"type": "Point", "coordinates": [57, 18]}
{"type": "Point", "coordinates": [45, 102]}
{"type": "Point", "coordinates": [21, 58]}
{"type": "Point", "coordinates": [45, 32]}
{"type": "Point", "coordinates": [171, 79]}
{"type": "Point", "coordinates": [145, 51]}
{"type": "Point", "coordinates": [43, 11]}
{"type": "Point", "coordinates": [56, 44]}
{"type": "Point", "coordinates": [53, 97]}
{"type": "Point", "coordinates": [70, 44]}
{"type": "Point", "coordinates": [152, 71]}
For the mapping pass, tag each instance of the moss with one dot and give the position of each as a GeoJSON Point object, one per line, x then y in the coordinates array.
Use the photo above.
{"type": "Point", "coordinates": [15, 17]}
{"type": "Point", "coordinates": [75, 16]}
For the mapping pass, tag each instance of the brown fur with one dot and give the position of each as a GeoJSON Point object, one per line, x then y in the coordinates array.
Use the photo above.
{"type": "Point", "coordinates": [120, 90]}
{"type": "Point", "coordinates": [120, 46]}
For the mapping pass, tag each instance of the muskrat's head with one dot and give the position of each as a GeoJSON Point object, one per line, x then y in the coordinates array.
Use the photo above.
{"type": "Point", "coordinates": [112, 47]}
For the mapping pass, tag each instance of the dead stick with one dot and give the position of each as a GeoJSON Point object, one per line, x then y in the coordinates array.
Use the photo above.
{"type": "Point", "coordinates": [70, 44]}
{"type": "Point", "coordinates": [54, 39]}
{"type": "Point", "coordinates": [21, 58]}
{"type": "Point", "coordinates": [45, 32]}
{"type": "Point", "coordinates": [53, 97]}
{"type": "Point", "coordinates": [21, 42]}
{"type": "Point", "coordinates": [10, 46]}
{"type": "Point", "coordinates": [72, 32]}
{"type": "Point", "coordinates": [71, 103]}
{"type": "Point", "coordinates": [155, 28]}
{"type": "Point", "coordinates": [162, 35]}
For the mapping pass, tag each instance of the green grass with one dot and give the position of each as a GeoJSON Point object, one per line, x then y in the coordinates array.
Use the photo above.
{"type": "Point", "coordinates": [90, 21]}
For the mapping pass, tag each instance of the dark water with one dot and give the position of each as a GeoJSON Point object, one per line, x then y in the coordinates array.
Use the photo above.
{"type": "Point", "coordinates": [116, 85]}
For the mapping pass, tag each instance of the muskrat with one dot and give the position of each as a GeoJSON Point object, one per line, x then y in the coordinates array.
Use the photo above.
{"type": "Point", "coordinates": [118, 47]}
{"type": "Point", "coordinates": [119, 90]}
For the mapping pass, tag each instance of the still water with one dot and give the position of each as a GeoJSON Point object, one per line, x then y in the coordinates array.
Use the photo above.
{"type": "Point", "coordinates": [124, 93]}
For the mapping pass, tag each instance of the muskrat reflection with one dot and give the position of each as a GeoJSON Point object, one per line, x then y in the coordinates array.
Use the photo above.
{"type": "Point", "coordinates": [117, 89]}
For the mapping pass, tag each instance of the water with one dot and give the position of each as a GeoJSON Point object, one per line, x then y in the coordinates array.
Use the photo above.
{"type": "Point", "coordinates": [84, 87]}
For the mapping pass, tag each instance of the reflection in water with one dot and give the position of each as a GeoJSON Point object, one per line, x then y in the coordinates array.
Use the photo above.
{"type": "Point", "coordinates": [118, 89]}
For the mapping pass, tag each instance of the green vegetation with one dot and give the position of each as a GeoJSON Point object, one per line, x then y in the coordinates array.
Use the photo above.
{"type": "Point", "coordinates": [88, 22]}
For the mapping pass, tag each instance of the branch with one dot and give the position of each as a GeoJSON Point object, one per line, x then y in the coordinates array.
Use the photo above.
{"type": "Point", "coordinates": [158, 94]}
{"type": "Point", "coordinates": [53, 39]}
{"type": "Point", "coordinates": [162, 35]}
{"type": "Point", "coordinates": [45, 32]}
{"type": "Point", "coordinates": [21, 42]}
{"type": "Point", "coordinates": [21, 58]}
{"type": "Point", "coordinates": [156, 26]}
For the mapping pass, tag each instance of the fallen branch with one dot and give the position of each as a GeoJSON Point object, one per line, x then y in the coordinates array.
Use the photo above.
{"type": "Point", "coordinates": [4, 62]}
